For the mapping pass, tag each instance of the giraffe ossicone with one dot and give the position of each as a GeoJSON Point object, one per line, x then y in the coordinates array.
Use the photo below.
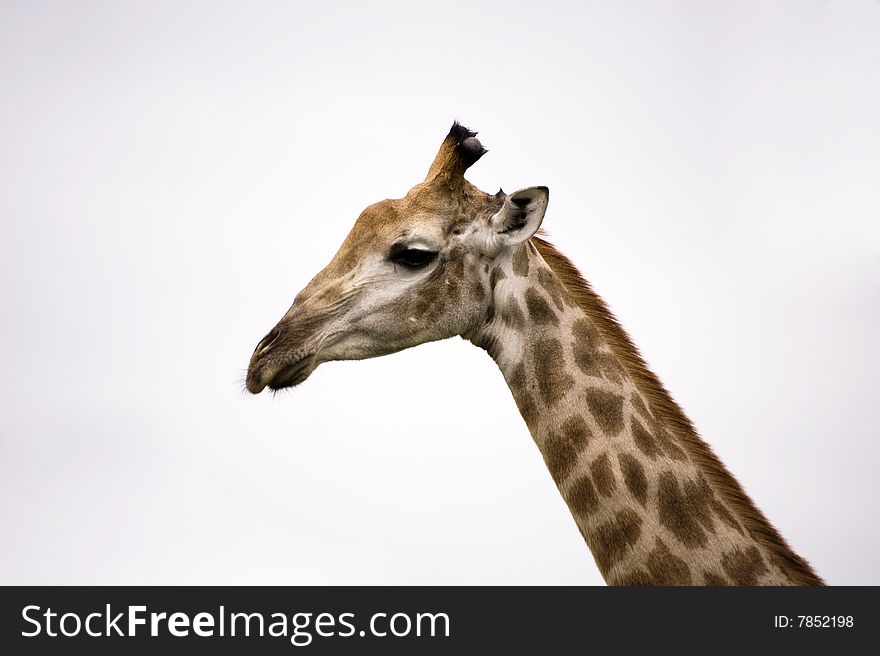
{"type": "Point", "coordinates": [652, 501]}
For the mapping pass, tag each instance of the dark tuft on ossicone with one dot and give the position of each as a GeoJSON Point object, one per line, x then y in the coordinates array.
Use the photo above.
{"type": "Point", "coordinates": [467, 146]}
{"type": "Point", "coordinates": [459, 133]}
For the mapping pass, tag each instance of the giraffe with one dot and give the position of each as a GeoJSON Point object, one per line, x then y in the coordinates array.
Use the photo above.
{"type": "Point", "coordinates": [652, 501]}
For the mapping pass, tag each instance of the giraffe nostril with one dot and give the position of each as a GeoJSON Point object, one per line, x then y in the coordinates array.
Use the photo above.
{"type": "Point", "coordinates": [267, 341]}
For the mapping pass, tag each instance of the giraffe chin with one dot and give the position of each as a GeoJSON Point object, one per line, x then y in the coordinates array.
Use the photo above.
{"type": "Point", "coordinates": [293, 374]}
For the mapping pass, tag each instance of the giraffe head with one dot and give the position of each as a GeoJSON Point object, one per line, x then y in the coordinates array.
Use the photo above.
{"type": "Point", "coordinates": [412, 270]}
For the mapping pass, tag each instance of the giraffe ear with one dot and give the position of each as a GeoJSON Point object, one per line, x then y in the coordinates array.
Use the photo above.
{"type": "Point", "coordinates": [520, 216]}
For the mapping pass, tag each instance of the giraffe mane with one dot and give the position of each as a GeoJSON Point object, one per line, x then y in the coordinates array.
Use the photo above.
{"type": "Point", "coordinates": [666, 409]}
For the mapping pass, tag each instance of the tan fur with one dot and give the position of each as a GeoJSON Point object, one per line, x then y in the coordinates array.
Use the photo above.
{"type": "Point", "coordinates": [669, 412]}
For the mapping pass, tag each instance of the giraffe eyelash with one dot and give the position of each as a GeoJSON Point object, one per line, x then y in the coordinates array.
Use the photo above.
{"type": "Point", "coordinates": [412, 258]}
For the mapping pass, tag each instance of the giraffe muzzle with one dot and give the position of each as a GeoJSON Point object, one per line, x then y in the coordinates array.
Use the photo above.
{"type": "Point", "coordinates": [280, 360]}
{"type": "Point", "coordinates": [280, 376]}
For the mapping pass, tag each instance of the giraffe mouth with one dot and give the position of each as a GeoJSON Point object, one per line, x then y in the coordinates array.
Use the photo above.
{"type": "Point", "coordinates": [292, 374]}
{"type": "Point", "coordinates": [275, 377]}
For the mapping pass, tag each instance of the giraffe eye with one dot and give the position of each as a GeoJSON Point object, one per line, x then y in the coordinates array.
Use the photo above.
{"type": "Point", "coordinates": [412, 258]}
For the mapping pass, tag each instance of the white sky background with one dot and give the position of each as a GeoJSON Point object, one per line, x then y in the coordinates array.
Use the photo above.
{"type": "Point", "coordinates": [173, 173]}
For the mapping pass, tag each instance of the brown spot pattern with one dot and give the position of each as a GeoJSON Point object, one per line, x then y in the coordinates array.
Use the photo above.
{"type": "Point", "coordinates": [561, 449]}
{"type": "Point", "coordinates": [639, 404]}
{"type": "Point", "coordinates": [726, 516]}
{"type": "Point", "coordinates": [610, 367]}
{"type": "Point", "coordinates": [477, 292]}
{"type": "Point", "coordinates": [521, 261]}
{"type": "Point", "coordinates": [456, 265]}
{"type": "Point", "coordinates": [643, 439]}
{"type": "Point", "coordinates": [553, 381]}
{"type": "Point", "coordinates": [637, 577]}
{"type": "Point", "coordinates": [610, 540]}
{"type": "Point", "coordinates": [744, 567]}
{"type": "Point", "coordinates": [634, 477]}
{"type": "Point", "coordinates": [512, 315]}
{"type": "Point", "coordinates": [685, 509]}
{"type": "Point", "coordinates": [603, 476]}
{"type": "Point", "coordinates": [576, 430]}
{"type": "Point", "coordinates": [490, 312]}
{"type": "Point", "coordinates": [713, 578]}
{"type": "Point", "coordinates": [670, 448]}
{"type": "Point", "coordinates": [528, 408]}
{"type": "Point", "coordinates": [539, 310]}
{"type": "Point", "coordinates": [524, 400]}
{"type": "Point", "coordinates": [552, 286]}
{"type": "Point", "coordinates": [496, 276]}
{"type": "Point", "coordinates": [582, 498]}
{"type": "Point", "coordinates": [585, 333]}
{"type": "Point", "coordinates": [607, 409]}
{"type": "Point", "coordinates": [666, 568]}
{"type": "Point", "coordinates": [585, 358]}
{"type": "Point", "coordinates": [518, 379]}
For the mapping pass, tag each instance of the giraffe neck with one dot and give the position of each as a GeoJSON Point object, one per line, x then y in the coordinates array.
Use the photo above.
{"type": "Point", "coordinates": [651, 510]}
